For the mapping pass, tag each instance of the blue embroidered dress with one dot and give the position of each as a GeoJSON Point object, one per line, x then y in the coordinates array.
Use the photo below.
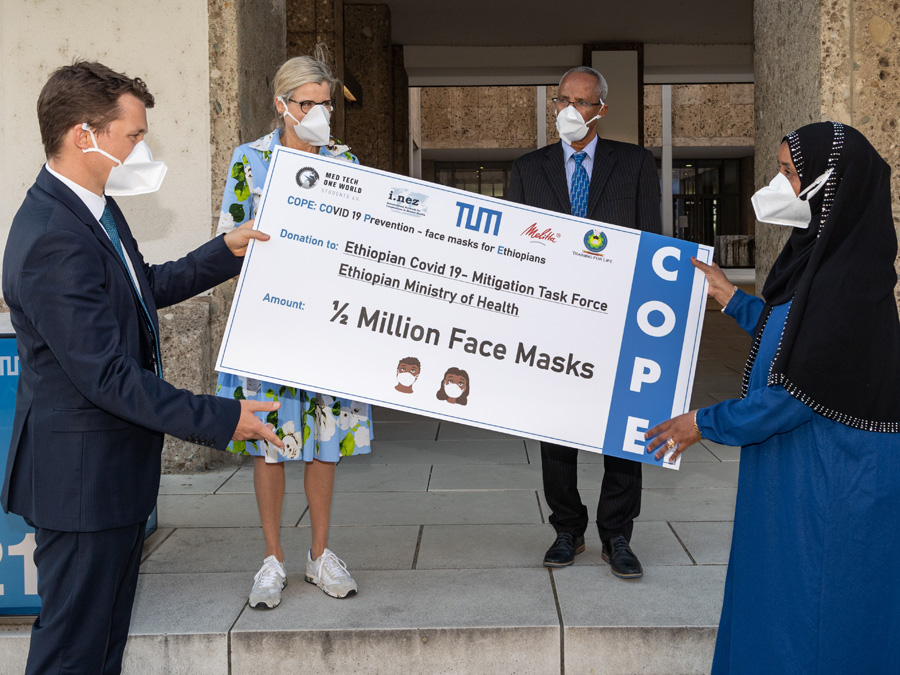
{"type": "Point", "coordinates": [311, 425]}
{"type": "Point", "coordinates": [812, 583]}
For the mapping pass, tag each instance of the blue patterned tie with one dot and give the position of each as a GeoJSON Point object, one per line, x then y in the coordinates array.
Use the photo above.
{"type": "Point", "coordinates": [109, 224]}
{"type": "Point", "coordinates": [578, 193]}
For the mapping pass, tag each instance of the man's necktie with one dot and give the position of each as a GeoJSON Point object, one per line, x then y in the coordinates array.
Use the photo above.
{"type": "Point", "coordinates": [109, 224]}
{"type": "Point", "coordinates": [578, 193]}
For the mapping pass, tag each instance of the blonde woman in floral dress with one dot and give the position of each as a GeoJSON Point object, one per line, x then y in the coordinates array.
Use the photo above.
{"type": "Point", "coordinates": [318, 429]}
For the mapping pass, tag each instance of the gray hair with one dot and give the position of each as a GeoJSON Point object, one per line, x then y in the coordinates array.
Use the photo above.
{"type": "Point", "coordinates": [302, 70]}
{"type": "Point", "coordinates": [602, 88]}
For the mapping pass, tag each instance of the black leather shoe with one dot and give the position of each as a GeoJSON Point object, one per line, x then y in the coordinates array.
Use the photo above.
{"type": "Point", "coordinates": [621, 558]}
{"type": "Point", "coordinates": [564, 550]}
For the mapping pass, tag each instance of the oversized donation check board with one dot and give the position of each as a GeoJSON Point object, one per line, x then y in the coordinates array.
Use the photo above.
{"type": "Point", "coordinates": [419, 297]}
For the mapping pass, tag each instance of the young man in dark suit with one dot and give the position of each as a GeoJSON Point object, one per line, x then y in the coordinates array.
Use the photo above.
{"type": "Point", "coordinates": [616, 183]}
{"type": "Point", "coordinates": [91, 405]}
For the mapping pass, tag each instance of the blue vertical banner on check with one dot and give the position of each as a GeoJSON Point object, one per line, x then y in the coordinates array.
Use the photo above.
{"type": "Point", "coordinates": [655, 328]}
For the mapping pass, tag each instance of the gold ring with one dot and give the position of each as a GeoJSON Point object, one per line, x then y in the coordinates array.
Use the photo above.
{"type": "Point", "coordinates": [670, 444]}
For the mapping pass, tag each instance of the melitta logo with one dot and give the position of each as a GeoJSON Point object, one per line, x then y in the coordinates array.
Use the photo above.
{"type": "Point", "coordinates": [541, 236]}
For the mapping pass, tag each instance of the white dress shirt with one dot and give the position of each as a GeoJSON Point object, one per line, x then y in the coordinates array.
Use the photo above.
{"type": "Point", "coordinates": [587, 163]}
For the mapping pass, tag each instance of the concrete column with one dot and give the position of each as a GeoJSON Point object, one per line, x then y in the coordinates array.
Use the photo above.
{"type": "Point", "coordinates": [668, 228]}
{"type": "Point", "coordinates": [368, 57]}
{"type": "Point", "coordinates": [824, 60]}
{"type": "Point", "coordinates": [414, 95]}
{"type": "Point", "coordinates": [400, 101]}
{"type": "Point", "coordinates": [541, 115]}
{"type": "Point", "coordinates": [309, 22]}
{"type": "Point", "coordinates": [246, 46]}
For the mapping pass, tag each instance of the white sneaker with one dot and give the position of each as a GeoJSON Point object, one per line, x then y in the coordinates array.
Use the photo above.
{"type": "Point", "coordinates": [329, 573]}
{"type": "Point", "coordinates": [267, 584]}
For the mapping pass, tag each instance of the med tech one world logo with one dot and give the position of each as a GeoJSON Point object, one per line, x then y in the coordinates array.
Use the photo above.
{"type": "Point", "coordinates": [307, 177]}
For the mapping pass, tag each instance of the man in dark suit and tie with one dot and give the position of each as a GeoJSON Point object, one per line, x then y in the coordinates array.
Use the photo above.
{"type": "Point", "coordinates": [91, 405]}
{"type": "Point", "coordinates": [611, 182]}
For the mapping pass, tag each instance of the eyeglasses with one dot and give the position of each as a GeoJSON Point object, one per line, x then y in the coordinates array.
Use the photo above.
{"type": "Point", "coordinates": [580, 105]}
{"type": "Point", "coordinates": [306, 106]}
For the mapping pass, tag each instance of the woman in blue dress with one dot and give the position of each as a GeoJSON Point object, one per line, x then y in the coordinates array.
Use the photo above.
{"type": "Point", "coordinates": [315, 428]}
{"type": "Point", "coordinates": [812, 583]}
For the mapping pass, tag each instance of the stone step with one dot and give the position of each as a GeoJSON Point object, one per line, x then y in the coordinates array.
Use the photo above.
{"type": "Point", "coordinates": [513, 620]}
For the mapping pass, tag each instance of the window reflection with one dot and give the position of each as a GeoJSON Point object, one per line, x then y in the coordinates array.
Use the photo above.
{"type": "Point", "coordinates": [707, 208]}
{"type": "Point", "coordinates": [484, 178]}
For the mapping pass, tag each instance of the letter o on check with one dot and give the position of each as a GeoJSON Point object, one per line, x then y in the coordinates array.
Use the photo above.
{"type": "Point", "coordinates": [643, 318]}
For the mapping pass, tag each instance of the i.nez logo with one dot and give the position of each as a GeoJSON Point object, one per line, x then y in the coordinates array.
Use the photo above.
{"type": "Point", "coordinates": [546, 235]}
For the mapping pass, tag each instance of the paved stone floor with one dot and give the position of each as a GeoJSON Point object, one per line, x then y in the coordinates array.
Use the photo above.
{"type": "Point", "coordinates": [444, 526]}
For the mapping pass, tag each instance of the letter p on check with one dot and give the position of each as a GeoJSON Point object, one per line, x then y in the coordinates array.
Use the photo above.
{"type": "Point", "coordinates": [645, 370]}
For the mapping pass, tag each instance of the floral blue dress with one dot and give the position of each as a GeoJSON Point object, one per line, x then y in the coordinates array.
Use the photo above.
{"type": "Point", "coordinates": [311, 425]}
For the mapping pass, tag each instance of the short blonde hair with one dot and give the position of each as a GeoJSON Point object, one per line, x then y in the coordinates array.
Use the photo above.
{"type": "Point", "coordinates": [302, 70]}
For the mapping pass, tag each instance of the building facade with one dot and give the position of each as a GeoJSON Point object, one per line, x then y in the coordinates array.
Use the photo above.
{"type": "Point", "coordinates": [421, 108]}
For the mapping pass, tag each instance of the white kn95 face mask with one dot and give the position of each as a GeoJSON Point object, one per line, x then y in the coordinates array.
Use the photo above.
{"type": "Point", "coordinates": [777, 204]}
{"type": "Point", "coordinates": [139, 174]}
{"type": "Point", "coordinates": [571, 125]}
{"type": "Point", "coordinates": [314, 128]}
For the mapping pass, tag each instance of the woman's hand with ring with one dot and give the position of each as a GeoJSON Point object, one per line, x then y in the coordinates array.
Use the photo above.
{"type": "Point", "coordinates": [676, 434]}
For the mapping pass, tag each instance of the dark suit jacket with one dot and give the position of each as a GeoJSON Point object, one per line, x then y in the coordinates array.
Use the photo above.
{"type": "Point", "coordinates": [90, 411]}
{"type": "Point", "coordinates": [624, 184]}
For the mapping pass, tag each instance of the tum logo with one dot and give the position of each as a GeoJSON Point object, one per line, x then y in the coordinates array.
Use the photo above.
{"type": "Point", "coordinates": [9, 365]}
{"type": "Point", "coordinates": [485, 216]}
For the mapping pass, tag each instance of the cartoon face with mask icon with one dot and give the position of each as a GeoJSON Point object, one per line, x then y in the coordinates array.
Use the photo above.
{"type": "Point", "coordinates": [454, 387]}
{"type": "Point", "coordinates": [407, 373]}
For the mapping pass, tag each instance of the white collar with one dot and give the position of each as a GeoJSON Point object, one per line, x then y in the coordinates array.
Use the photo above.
{"type": "Point", "coordinates": [95, 203]}
{"type": "Point", "coordinates": [590, 149]}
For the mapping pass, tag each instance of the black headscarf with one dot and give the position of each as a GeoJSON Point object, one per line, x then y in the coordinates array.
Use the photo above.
{"type": "Point", "coordinates": [840, 349]}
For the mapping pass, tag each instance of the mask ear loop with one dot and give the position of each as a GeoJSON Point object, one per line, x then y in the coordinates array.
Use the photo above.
{"type": "Point", "coordinates": [286, 113]}
{"type": "Point", "coordinates": [815, 186]}
{"type": "Point", "coordinates": [598, 115]}
{"type": "Point", "coordinates": [96, 148]}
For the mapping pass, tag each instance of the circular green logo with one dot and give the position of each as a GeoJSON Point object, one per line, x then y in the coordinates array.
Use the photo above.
{"type": "Point", "coordinates": [595, 241]}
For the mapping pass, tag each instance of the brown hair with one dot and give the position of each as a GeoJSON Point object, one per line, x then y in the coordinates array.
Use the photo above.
{"type": "Point", "coordinates": [463, 397]}
{"type": "Point", "coordinates": [83, 92]}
